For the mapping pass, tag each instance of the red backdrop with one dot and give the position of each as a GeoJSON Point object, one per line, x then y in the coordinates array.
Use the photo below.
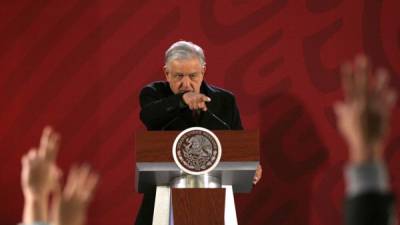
{"type": "Point", "coordinates": [79, 65]}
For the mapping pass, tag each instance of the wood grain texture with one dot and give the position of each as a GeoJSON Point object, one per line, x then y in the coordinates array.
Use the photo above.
{"type": "Point", "coordinates": [198, 206]}
{"type": "Point", "coordinates": [156, 146]}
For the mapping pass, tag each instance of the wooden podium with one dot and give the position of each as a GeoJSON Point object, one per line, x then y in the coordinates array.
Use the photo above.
{"type": "Point", "coordinates": [155, 166]}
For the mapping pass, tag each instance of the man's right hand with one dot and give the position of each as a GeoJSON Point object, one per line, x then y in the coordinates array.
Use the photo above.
{"type": "Point", "coordinates": [196, 100]}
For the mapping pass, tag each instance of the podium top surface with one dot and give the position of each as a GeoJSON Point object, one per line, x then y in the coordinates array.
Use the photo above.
{"type": "Point", "coordinates": [156, 146]}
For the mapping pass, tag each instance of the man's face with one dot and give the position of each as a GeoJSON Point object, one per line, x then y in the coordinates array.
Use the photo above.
{"type": "Point", "coordinates": [184, 75]}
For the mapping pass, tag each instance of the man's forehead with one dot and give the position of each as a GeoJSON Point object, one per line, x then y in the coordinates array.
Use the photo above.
{"type": "Point", "coordinates": [186, 63]}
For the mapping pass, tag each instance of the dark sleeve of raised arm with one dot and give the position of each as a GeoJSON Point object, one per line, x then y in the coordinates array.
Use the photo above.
{"type": "Point", "coordinates": [157, 111]}
{"type": "Point", "coordinates": [369, 208]}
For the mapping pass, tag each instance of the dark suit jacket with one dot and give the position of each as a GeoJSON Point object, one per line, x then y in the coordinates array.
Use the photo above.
{"type": "Point", "coordinates": [369, 209]}
{"type": "Point", "coordinates": [161, 109]}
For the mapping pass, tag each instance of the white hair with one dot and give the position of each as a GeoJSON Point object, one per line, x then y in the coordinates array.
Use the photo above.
{"type": "Point", "coordinates": [184, 50]}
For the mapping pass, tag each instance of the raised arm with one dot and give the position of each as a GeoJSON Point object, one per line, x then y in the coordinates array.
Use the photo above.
{"type": "Point", "coordinates": [39, 176]}
{"type": "Point", "coordinates": [363, 118]}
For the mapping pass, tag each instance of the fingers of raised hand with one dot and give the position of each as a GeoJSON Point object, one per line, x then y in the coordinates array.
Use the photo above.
{"type": "Point", "coordinates": [32, 160]}
{"type": "Point", "coordinates": [27, 162]}
{"type": "Point", "coordinates": [361, 75]}
{"type": "Point", "coordinates": [382, 90]}
{"type": "Point", "coordinates": [367, 96]}
{"type": "Point", "coordinates": [355, 79]}
{"type": "Point", "coordinates": [89, 186]}
{"type": "Point", "coordinates": [31, 155]}
{"type": "Point", "coordinates": [71, 184]}
{"type": "Point", "coordinates": [348, 81]}
{"type": "Point", "coordinates": [81, 183]}
{"type": "Point", "coordinates": [49, 144]}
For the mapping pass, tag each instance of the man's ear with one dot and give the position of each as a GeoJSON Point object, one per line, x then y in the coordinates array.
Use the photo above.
{"type": "Point", "coordinates": [204, 70]}
{"type": "Point", "coordinates": [166, 73]}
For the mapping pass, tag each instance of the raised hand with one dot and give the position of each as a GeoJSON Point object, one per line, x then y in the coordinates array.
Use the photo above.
{"type": "Point", "coordinates": [39, 176]}
{"type": "Point", "coordinates": [39, 171]}
{"type": "Point", "coordinates": [70, 205]}
{"type": "Point", "coordinates": [363, 116]}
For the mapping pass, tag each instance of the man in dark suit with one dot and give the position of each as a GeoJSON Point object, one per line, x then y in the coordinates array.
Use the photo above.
{"type": "Point", "coordinates": [185, 100]}
{"type": "Point", "coordinates": [363, 119]}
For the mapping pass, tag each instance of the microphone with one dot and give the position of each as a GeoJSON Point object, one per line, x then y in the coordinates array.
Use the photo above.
{"type": "Point", "coordinates": [169, 123]}
{"type": "Point", "coordinates": [226, 125]}
{"type": "Point", "coordinates": [219, 120]}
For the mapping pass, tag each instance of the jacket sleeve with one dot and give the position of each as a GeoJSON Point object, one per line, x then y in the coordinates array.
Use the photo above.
{"type": "Point", "coordinates": [157, 111]}
{"type": "Point", "coordinates": [368, 200]}
{"type": "Point", "coordinates": [369, 208]}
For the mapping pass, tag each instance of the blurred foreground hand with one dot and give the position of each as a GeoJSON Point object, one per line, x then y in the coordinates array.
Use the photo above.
{"type": "Point", "coordinates": [40, 177]}
{"type": "Point", "coordinates": [363, 116]}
